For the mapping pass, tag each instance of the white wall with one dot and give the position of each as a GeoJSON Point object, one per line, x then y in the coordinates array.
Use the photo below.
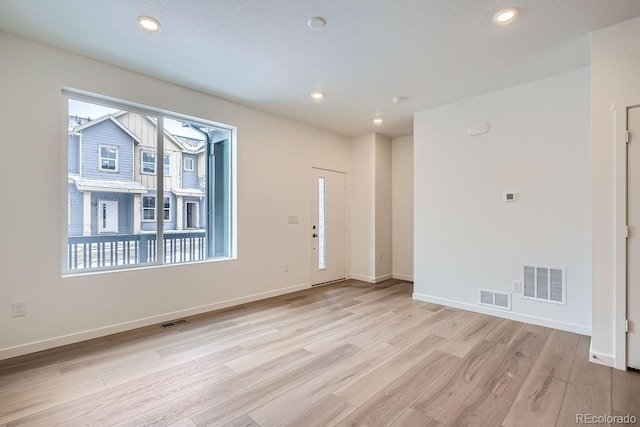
{"type": "Point", "coordinates": [383, 236]}
{"type": "Point", "coordinates": [466, 237]}
{"type": "Point", "coordinates": [615, 81]}
{"type": "Point", "coordinates": [274, 159]}
{"type": "Point", "coordinates": [402, 206]}
{"type": "Point", "coordinates": [361, 189]}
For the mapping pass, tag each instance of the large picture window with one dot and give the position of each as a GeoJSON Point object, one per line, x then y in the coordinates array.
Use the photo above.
{"type": "Point", "coordinates": [112, 217]}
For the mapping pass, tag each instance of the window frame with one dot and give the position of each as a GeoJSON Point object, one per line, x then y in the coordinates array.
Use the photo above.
{"type": "Point", "coordinates": [157, 115]}
{"type": "Point", "coordinates": [184, 164]}
{"type": "Point", "coordinates": [166, 165]}
{"type": "Point", "coordinates": [147, 163]}
{"type": "Point", "coordinates": [148, 209]}
{"type": "Point", "coordinates": [117, 149]}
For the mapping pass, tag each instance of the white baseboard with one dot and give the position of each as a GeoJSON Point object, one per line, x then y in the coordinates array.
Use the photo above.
{"type": "Point", "coordinates": [382, 278]}
{"type": "Point", "coordinates": [404, 277]}
{"type": "Point", "coordinates": [601, 358]}
{"type": "Point", "coordinates": [362, 278]}
{"type": "Point", "coordinates": [33, 347]}
{"type": "Point", "coordinates": [540, 321]}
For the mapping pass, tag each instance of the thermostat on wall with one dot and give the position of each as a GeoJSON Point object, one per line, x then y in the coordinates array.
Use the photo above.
{"type": "Point", "coordinates": [510, 197]}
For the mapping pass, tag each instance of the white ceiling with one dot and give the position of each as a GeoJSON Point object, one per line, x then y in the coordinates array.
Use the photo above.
{"type": "Point", "coordinates": [261, 53]}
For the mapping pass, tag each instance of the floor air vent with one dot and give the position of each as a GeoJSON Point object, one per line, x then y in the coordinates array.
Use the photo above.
{"type": "Point", "coordinates": [548, 284]}
{"type": "Point", "coordinates": [494, 299]}
{"type": "Point", "coordinates": [173, 323]}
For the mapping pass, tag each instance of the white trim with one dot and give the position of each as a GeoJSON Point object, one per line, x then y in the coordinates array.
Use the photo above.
{"type": "Point", "coordinates": [100, 146]}
{"type": "Point", "coordinates": [601, 358]}
{"type": "Point", "coordinates": [362, 278]}
{"type": "Point", "coordinates": [404, 277]}
{"type": "Point", "coordinates": [382, 278]}
{"type": "Point", "coordinates": [184, 164]}
{"type": "Point", "coordinates": [540, 321]}
{"type": "Point", "coordinates": [35, 346]}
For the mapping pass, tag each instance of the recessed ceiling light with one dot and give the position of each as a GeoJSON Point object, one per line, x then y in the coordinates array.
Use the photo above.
{"type": "Point", "coordinates": [506, 16]}
{"type": "Point", "coordinates": [317, 23]}
{"type": "Point", "coordinates": [317, 95]}
{"type": "Point", "coordinates": [377, 121]}
{"type": "Point", "coordinates": [148, 23]}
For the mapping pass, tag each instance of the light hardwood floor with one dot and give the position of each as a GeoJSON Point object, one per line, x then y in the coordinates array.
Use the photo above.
{"type": "Point", "coordinates": [346, 354]}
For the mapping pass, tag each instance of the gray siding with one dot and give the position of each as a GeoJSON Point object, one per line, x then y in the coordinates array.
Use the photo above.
{"type": "Point", "coordinates": [75, 211]}
{"type": "Point", "coordinates": [190, 178]}
{"type": "Point", "coordinates": [74, 154]}
{"type": "Point", "coordinates": [107, 133]}
{"type": "Point", "coordinates": [125, 208]}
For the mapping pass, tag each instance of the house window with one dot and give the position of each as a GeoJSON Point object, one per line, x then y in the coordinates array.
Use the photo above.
{"type": "Point", "coordinates": [149, 208]}
{"type": "Point", "coordinates": [148, 162]}
{"type": "Point", "coordinates": [108, 158]}
{"type": "Point", "coordinates": [167, 165]}
{"type": "Point", "coordinates": [128, 231]}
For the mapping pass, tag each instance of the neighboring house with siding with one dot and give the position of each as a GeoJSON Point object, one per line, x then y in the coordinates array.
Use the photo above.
{"type": "Point", "coordinates": [112, 177]}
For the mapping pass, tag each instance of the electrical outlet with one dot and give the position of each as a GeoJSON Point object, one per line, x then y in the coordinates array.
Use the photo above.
{"type": "Point", "coordinates": [517, 286]}
{"type": "Point", "coordinates": [19, 308]}
{"type": "Point", "coordinates": [286, 268]}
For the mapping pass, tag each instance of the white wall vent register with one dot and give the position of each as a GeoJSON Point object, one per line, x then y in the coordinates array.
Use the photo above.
{"type": "Point", "coordinates": [494, 299]}
{"type": "Point", "coordinates": [548, 284]}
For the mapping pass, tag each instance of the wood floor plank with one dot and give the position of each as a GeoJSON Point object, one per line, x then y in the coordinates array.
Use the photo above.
{"type": "Point", "coordinates": [481, 409]}
{"type": "Point", "coordinates": [588, 373]}
{"type": "Point", "coordinates": [505, 332]}
{"type": "Point", "coordinates": [455, 325]}
{"type": "Point", "coordinates": [229, 409]}
{"type": "Point", "coordinates": [164, 405]}
{"type": "Point", "coordinates": [411, 417]}
{"type": "Point", "coordinates": [243, 421]}
{"type": "Point", "coordinates": [442, 401]}
{"type": "Point", "coordinates": [296, 399]}
{"type": "Point", "coordinates": [32, 404]}
{"type": "Point", "coordinates": [186, 422]}
{"type": "Point", "coordinates": [364, 388]}
{"type": "Point", "coordinates": [415, 333]}
{"type": "Point", "coordinates": [582, 399]}
{"type": "Point", "coordinates": [538, 402]}
{"type": "Point", "coordinates": [387, 405]}
{"type": "Point", "coordinates": [625, 392]}
{"type": "Point", "coordinates": [556, 358]}
{"type": "Point", "coordinates": [326, 412]}
{"type": "Point", "coordinates": [92, 404]}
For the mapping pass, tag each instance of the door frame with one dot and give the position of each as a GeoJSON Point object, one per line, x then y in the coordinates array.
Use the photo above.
{"type": "Point", "coordinates": [619, 359]}
{"type": "Point", "coordinates": [312, 167]}
{"type": "Point", "coordinates": [98, 228]}
{"type": "Point", "coordinates": [186, 214]}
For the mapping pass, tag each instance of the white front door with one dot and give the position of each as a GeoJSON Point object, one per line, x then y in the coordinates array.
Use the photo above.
{"type": "Point", "coordinates": [107, 216]}
{"type": "Point", "coordinates": [633, 242]}
{"type": "Point", "coordinates": [328, 227]}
